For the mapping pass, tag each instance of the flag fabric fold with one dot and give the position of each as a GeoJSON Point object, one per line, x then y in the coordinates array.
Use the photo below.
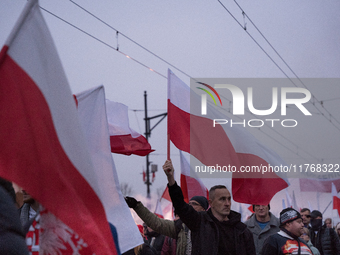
{"type": "Point", "coordinates": [43, 148]}
{"type": "Point", "coordinates": [93, 119]}
{"type": "Point", "coordinates": [336, 199]}
{"type": "Point", "coordinates": [220, 145]}
{"type": "Point", "coordinates": [318, 185]}
{"type": "Point", "coordinates": [191, 185]}
{"type": "Point", "coordinates": [123, 139]}
{"type": "Point", "coordinates": [158, 210]}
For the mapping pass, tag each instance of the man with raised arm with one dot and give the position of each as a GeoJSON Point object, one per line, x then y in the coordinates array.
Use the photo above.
{"type": "Point", "coordinates": [216, 231]}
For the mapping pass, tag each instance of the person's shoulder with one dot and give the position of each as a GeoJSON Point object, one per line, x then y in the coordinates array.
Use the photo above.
{"type": "Point", "coordinates": [274, 238]}
{"type": "Point", "coordinates": [251, 221]}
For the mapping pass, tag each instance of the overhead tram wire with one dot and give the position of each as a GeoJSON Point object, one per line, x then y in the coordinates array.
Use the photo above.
{"type": "Point", "coordinates": [289, 149]}
{"type": "Point", "coordinates": [117, 31]}
{"type": "Point", "coordinates": [314, 97]}
{"type": "Point", "coordinates": [331, 116]}
{"type": "Point", "coordinates": [139, 61]}
{"type": "Point", "coordinates": [106, 44]}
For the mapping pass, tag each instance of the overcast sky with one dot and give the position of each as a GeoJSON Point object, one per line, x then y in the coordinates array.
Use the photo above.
{"type": "Point", "coordinates": [201, 39]}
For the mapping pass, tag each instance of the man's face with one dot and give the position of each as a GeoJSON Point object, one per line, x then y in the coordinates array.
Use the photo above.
{"type": "Point", "coordinates": [196, 206]}
{"type": "Point", "coordinates": [295, 227]}
{"type": "Point", "coordinates": [261, 210]}
{"type": "Point", "coordinates": [221, 203]}
{"type": "Point", "coordinates": [305, 217]}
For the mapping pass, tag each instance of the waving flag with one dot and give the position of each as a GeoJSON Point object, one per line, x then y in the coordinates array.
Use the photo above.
{"type": "Point", "coordinates": [336, 199]}
{"type": "Point", "coordinates": [318, 185]}
{"type": "Point", "coordinates": [191, 185]}
{"type": "Point", "coordinates": [289, 199]}
{"type": "Point", "coordinates": [42, 147]}
{"type": "Point", "coordinates": [92, 115]}
{"type": "Point", "coordinates": [124, 140]}
{"type": "Point", "coordinates": [221, 145]}
{"type": "Point", "coordinates": [158, 210]}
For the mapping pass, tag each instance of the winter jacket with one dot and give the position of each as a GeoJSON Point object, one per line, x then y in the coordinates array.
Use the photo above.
{"type": "Point", "coordinates": [326, 241]}
{"type": "Point", "coordinates": [164, 227]}
{"type": "Point", "coordinates": [12, 238]}
{"type": "Point", "coordinates": [281, 243]}
{"type": "Point", "coordinates": [205, 235]}
{"type": "Point", "coordinates": [314, 250]}
{"type": "Point", "coordinates": [260, 235]}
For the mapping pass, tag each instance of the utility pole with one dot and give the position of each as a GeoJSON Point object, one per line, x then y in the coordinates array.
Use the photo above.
{"type": "Point", "coordinates": [147, 135]}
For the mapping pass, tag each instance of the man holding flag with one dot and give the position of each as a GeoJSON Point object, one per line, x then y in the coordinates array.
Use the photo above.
{"type": "Point", "coordinates": [216, 231]}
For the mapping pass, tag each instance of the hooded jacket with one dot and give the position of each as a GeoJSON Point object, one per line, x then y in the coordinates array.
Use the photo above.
{"type": "Point", "coordinates": [205, 231]}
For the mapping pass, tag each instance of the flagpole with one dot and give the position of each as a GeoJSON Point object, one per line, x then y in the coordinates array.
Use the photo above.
{"type": "Point", "coordinates": [168, 147]}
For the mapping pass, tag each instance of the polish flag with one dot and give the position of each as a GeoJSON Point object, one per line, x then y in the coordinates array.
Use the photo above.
{"type": "Point", "coordinates": [289, 199]}
{"type": "Point", "coordinates": [158, 210]}
{"type": "Point", "coordinates": [191, 185]}
{"type": "Point", "coordinates": [336, 199]}
{"type": "Point", "coordinates": [221, 145]}
{"type": "Point", "coordinates": [43, 149]}
{"type": "Point", "coordinates": [318, 185]}
{"type": "Point", "coordinates": [124, 140]}
{"type": "Point", "coordinates": [250, 208]}
{"type": "Point", "coordinates": [166, 194]}
{"type": "Point", "coordinates": [93, 119]}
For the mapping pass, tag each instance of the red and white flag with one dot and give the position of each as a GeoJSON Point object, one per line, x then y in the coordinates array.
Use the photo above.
{"type": "Point", "coordinates": [124, 140]}
{"type": "Point", "coordinates": [221, 145]}
{"type": "Point", "coordinates": [318, 185]}
{"type": "Point", "coordinates": [250, 208]}
{"type": "Point", "coordinates": [289, 199]}
{"type": "Point", "coordinates": [93, 119]}
{"type": "Point", "coordinates": [336, 199]}
{"type": "Point", "coordinates": [43, 148]}
{"type": "Point", "coordinates": [191, 185]}
{"type": "Point", "coordinates": [158, 210]}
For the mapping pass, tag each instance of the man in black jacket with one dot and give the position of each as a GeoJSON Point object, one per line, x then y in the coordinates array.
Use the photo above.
{"type": "Point", "coordinates": [323, 238]}
{"type": "Point", "coordinates": [216, 231]}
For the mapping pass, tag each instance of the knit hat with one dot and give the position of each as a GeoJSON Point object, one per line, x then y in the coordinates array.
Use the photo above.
{"type": "Point", "coordinates": [288, 215]}
{"type": "Point", "coordinates": [202, 201]}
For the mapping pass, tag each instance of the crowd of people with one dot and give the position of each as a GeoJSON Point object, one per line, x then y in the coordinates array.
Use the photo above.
{"type": "Point", "coordinates": [210, 227]}
{"type": "Point", "coordinates": [201, 227]}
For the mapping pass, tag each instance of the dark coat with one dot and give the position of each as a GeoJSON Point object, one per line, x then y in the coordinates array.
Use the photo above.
{"type": "Point", "coordinates": [204, 231]}
{"type": "Point", "coordinates": [12, 238]}
{"type": "Point", "coordinates": [326, 241]}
